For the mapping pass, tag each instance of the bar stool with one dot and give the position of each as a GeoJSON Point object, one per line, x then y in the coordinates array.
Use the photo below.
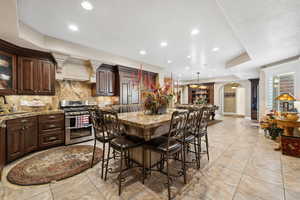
{"type": "Point", "coordinates": [101, 136]}
{"type": "Point", "coordinates": [120, 143]}
{"type": "Point", "coordinates": [169, 146]}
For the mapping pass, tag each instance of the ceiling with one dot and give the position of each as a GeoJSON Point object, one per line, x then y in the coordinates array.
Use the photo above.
{"type": "Point", "coordinates": [268, 30]}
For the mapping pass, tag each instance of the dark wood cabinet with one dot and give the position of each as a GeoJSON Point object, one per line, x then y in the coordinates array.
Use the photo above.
{"type": "Point", "coordinates": [36, 76]}
{"type": "Point", "coordinates": [129, 87]}
{"type": "Point", "coordinates": [106, 77]}
{"type": "Point", "coordinates": [32, 72]}
{"type": "Point", "coordinates": [46, 77]}
{"type": "Point", "coordinates": [27, 75]}
{"type": "Point", "coordinates": [8, 85]}
{"type": "Point", "coordinates": [51, 130]}
{"type": "Point", "coordinates": [25, 135]}
{"type": "Point", "coordinates": [206, 91]}
{"type": "Point", "coordinates": [21, 137]}
{"type": "Point", "coordinates": [2, 149]}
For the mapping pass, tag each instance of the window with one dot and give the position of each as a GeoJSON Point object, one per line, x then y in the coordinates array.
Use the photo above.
{"type": "Point", "coordinates": [284, 83]}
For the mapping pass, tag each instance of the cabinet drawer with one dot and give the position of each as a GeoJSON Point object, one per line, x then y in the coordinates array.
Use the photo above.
{"type": "Point", "coordinates": [26, 121]}
{"type": "Point", "coordinates": [54, 117]}
{"type": "Point", "coordinates": [51, 138]}
{"type": "Point", "coordinates": [51, 125]}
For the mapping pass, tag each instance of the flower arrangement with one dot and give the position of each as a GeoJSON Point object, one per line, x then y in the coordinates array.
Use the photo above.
{"type": "Point", "coordinates": [200, 100]}
{"type": "Point", "coordinates": [158, 100]}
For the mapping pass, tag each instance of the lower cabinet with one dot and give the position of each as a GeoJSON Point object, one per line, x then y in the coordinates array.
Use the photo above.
{"type": "Point", "coordinates": [2, 149]}
{"type": "Point", "coordinates": [25, 135]}
{"type": "Point", "coordinates": [21, 137]}
{"type": "Point", "coordinates": [51, 130]}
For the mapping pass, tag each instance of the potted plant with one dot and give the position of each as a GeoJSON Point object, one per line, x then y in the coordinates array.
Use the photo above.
{"type": "Point", "coordinates": [157, 101]}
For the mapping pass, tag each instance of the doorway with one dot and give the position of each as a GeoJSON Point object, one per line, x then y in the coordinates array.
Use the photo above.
{"type": "Point", "coordinates": [233, 99]}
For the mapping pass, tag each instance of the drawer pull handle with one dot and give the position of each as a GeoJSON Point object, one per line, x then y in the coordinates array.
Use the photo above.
{"type": "Point", "coordinates": [52, 138]}
{"type": "Point", "coordinates": [51, 117]}
{"type": "Point", "coordinates": [23, 121]}
{"type": "Point", "coordinates": [52, 126]}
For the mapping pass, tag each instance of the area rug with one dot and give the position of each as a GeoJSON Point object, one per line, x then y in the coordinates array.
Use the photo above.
{"type": "Point", "coordinates": [53, 165]}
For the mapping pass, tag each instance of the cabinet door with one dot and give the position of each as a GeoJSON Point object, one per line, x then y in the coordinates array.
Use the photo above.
{"type": "Point", "coordinates": [27, 76]}
{"type": "Point", "coordinates": [46, 78]}
{"type": "Point", "coordinates": [125, 93]}
{"type": "Point", "coordinates": [15, 143]}
{"type": "Point", "coordinates": [101, 82]}
{"type": "Point", "coordinates": [30, 138]}
{"type": "Point", "coordinates": [135, 93]}
{"type": "Point", "coordinates": [111, 83]}
{"type": "Point", "coordinates": [2, 149]}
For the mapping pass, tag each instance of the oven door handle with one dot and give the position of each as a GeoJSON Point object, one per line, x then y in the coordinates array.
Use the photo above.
{"type": "Point", "coordinates": [70, 117]}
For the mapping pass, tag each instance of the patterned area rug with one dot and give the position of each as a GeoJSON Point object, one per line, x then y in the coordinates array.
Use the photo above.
{"type": "Point", "coordinates": [53, 165]}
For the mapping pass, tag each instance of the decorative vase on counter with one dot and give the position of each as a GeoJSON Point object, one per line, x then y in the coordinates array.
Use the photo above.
{"type": "Point", "coordinates": [157, 101]}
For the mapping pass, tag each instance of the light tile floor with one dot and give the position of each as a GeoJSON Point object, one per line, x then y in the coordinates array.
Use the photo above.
{"type": "Point", "coordinates": [243, 166]}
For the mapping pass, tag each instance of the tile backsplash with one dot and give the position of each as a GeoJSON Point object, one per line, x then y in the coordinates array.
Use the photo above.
{"type": "Point", "coordinates": [64, 90]}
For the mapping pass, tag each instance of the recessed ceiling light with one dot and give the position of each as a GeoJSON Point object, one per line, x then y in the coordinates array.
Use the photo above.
{"type": "Point", "coordinates": [163, 44]}
{"type": "Point", "coordinates": [73, 27]}
{"type": "Point", "coordinates": [169, 61]}
{"type": "Point", "coordinates": [189, 57]}
{"type": "Point", "coordinates": [187, 67]}
{"type": "Point", "coordinates": [87, 5]}
{"type": "Point", "coordinates": [215, 49]}
{"type": "Point", "coordinates": [194, 32]}
{"type": "Point", "coordinates": [143, 52]}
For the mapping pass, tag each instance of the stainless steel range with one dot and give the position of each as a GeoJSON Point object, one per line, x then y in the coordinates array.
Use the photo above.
{"type": "Point", "coordinates": [77, 121]}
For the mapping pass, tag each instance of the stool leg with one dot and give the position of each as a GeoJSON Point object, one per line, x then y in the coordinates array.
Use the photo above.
{"type": "Point", "coordinates": [168, 176]}
{"type": "Point", "coordinates": [92, 163]}
{"type": "Point", "coordinates": [103, 160]}
{"type": "Point", "coordinates": [107, 160]}
{"type": "Point", "coordinates": [206, 142]}
{"type": "Point", "coordinates": [196, 152]}
{"type": "Point", "coordinates": [121, 170]}
{"type": "Point", "coordinates": [183, 162]}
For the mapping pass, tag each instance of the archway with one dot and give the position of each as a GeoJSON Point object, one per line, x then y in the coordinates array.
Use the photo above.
{"type": "Point", "coordinates": [233, 98]}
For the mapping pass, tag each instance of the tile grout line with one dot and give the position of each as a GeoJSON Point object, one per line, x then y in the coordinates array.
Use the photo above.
{"type": "Point", "coordinates": [52, 196]}
{"type": "Point", "coordinates": [282, 176]}
{"type": "Point", "coordinates": [242, 174]}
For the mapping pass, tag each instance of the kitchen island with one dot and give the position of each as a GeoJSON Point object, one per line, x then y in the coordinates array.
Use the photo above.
{"type": "Point", "coordinates": [146, 127]}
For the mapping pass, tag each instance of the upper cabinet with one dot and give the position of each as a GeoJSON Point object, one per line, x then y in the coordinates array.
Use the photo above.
{"type": "Point", "coordinates": [26, 71]}
{"type": "Point", "coordinates": [106, 79]}
{"type": "Point", "coordinates": [8, 73]}
{"type": "Point", "coordinates": [46, 77]}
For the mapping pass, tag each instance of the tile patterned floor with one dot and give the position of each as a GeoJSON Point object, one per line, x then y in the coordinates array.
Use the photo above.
{"type": "Point", "coordinates": [243, 166]}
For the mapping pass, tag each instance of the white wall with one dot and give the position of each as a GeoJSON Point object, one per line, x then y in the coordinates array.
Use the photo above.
{"type": "Point", "coordinates": [240, 101]}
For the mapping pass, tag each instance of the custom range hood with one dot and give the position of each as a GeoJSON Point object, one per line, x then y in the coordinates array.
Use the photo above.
{"type": "Point", "coordinates": [74, 68]}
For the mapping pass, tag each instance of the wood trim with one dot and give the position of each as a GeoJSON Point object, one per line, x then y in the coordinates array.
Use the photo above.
{"type": "Point", "coordinates": [25, 52]}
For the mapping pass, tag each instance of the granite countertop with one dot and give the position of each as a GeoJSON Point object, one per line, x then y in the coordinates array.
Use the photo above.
{"type": "Point", "coordinates": [142, 120]}
{"type": "Point", "coordinates": [26, 114]}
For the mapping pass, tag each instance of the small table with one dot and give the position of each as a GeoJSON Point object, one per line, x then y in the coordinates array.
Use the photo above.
{"type": "Point", "coordinates": [146, 127]}
{"type": "Point", "coordinates": [290, 140]}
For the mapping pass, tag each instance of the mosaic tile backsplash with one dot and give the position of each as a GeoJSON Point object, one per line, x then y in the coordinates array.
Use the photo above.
{"type": "Point", "coordinates": [65, 90]}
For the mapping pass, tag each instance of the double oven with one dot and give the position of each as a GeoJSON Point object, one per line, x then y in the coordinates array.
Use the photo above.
{"type": "Point", "coordinates": [78, 125]}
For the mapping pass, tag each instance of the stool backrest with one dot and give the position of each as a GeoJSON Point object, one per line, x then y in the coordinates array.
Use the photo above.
{"type": "Point", "coordinates": [106, 123]}
{"type": "Point", "coordinates": [205, 119]}
{"type": "Point", "coordinates": [177, 126]}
